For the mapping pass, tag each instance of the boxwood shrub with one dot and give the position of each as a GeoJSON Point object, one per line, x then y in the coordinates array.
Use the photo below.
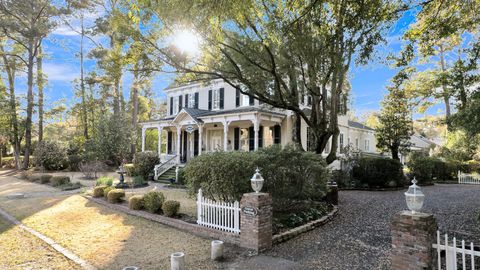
{"type": "Point", "coordinates": [373, 172]}
{"type": "Point", "coordinates": [170, 208]}
{"type": "Point", "coordinates": [153, 201]}
{"type": "Point", "coordinates": [290, 175]}
{"type": "Point", "coordinates": [115, 195]}
{"type": "Point", "coordinates": [431, 169]}
{"type": "Point", "coordinates": [136, 202]}
{"type": "Point", "coordinates": [144, 163]}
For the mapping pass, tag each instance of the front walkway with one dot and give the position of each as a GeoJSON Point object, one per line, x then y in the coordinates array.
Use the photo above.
{"type": "Point", "coordinates": [359, 237]}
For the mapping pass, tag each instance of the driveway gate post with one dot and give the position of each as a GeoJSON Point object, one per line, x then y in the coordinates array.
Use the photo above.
{"type": "Point", "coordinates": [256, 221]}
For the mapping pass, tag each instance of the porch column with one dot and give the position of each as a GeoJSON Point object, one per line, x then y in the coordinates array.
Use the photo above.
{"type": "Point", "coordinates": [225, 135]}
{"type": "Point", "coordinates": [256, 127]}
{"type": "Point", "coordinates": [159, 129]}
{"type": "Point", "coordinates": [143, 139]}
{"type": "Point", "coordinates": [192, 144]}
{"type": "Point", "coordinates": [179, 134]}
{"type": "Point", "coordinates": [200, 139]}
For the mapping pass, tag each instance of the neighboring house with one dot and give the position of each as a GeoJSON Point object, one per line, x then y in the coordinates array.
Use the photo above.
{"type": "Point", "coordinates": [418, 143]}
{"type": "Point", "coordinates": [209, 117]}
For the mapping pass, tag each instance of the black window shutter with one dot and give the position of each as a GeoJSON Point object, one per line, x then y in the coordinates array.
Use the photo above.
{"type": "Point", "coordinates": [196, 101]}
{"type": "Point", "coordinates": [186, 100]}
{"type": "Point", "coordinates": [251, 139]}
{"type": "Point", "coordinates": [251, 101]}
{"type": "Point", "coordinates": [171, 105]}
{"type": "Point", "coordinates": [260, 137]}
{"type": "Point", "coordinates": [195, 143]}
{"type": "Point", "coordinates": [180, 106]}
{"type": "Point", "coordinates": [222, 95]}
{"type": "Point", "coordinates": [237, 98]}
{"type": "Point", "coordinates": [169, 142]}
{"type": "Point", "coordinates": [236, 143]}
{"type": "Point", "coordinates": [209, 100]}
{"type": "Point", "coordinates": [277, 133]}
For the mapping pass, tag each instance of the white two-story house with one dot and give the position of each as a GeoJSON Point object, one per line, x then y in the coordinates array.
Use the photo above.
{"type": "Point", "coordinates": [209, 117]}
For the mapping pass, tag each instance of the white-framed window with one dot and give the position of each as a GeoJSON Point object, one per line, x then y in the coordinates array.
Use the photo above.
{"type": "Point", "coordinates": [341, 141]}
{"type": "Point", "coordinates": [356, 143]}
{"type": "Point", "coordinates": [367, 145]}
{"type": "Point", "coordinates": [175, 104]}
{"type": "Point", "coordinates": [191, 100]}
{"type": "Point", "coordinates": [245, 100]}
{"type": "Point", "coordinates": [216, 99]}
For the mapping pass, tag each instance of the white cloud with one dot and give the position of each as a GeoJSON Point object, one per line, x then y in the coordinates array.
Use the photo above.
{"type": "Point", "coordinates": [60, 72]}
{"type": "Point", "coordinates": [64, 30]}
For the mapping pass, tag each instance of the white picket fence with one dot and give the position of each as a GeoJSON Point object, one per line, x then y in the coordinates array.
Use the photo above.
{"type": "Point", "coordinates": [222, 216]}
{"type": "Point", "coordinates": [463, 255]}
{"type": "Point", "coordinates": [465, 178]}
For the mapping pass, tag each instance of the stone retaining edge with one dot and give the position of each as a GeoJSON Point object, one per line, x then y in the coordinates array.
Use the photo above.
{"type": "Point", "coordinates": [65, 252]}
{"type": "Point", "coordinates": [172, 222]}
{"type": "Point", "coordinates": [287, 235]}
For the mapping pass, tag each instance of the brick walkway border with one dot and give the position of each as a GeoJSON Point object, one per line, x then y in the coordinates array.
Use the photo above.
{"type": "Point", "coordinates": [65, 252]}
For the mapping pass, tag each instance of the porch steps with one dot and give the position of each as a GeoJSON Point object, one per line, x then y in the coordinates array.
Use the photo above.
{"type": "Point", "coordinates": [166, 176]}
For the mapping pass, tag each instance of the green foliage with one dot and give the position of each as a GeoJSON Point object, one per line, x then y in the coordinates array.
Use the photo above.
{"type": "Point", "coordinates": [98, 191]}
{"type": "Point", "coordinates": [378, 172]}
{"type": "Point", "coordinates": [153, 201]}
{"type": "Point", "coordinates": [138, 181]}
{"type": "Point", "coordinates": [104, 181]}
{"type": "Point", "coordinates": [136, 202]}
{"type": "Point", "coordinates": [59, 180]}
{"type": "Point", "coordinates": [395, 121]}
{"type": "Point", "coordinates": [170, 208]}
{"type": "Point", "coordinates": [70, 186]}
{"type": "Point", "coordinates": [459, 146]}
{"type": "Point", "coordinates": [144, 163]}
{"type": "Point", "coordinates": [226, 176]}
{"type": "Point", "coordinates": [295, 218]}
{"type": "Point", "coordinates": [51, 156]}
{"type": "Point", "coordinates": [115, 195]}
{"type": "Point", "coordinates": [45, 178]}
{"type": "Point", "coordinates": [129, 169]}
{"type": "Point", "coordinates": [430, 169]}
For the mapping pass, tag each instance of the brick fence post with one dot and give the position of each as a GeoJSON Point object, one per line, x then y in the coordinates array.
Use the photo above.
{"type": "Point", "coordinates": [412, 239]}
{"type": "Point", "coordinates": [256, 221]}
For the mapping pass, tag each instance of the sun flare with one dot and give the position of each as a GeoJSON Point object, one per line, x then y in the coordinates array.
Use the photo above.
{"type": "Point", "coordinates": [187, 42]}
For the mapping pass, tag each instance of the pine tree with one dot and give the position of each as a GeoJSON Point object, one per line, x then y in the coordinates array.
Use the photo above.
{"type": "Point", "coordinates": [395, 120]}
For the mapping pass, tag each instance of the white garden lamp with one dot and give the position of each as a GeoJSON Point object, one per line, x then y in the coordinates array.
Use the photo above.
{"type": "Point", "coordinates": [414, 197]}
{"type": "Point", "coordinates": [257, 181]}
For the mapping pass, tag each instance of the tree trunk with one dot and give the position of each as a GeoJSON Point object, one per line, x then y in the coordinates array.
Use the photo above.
{"type": "Point", "coordinates": [28, 122]}
{"type": "Point", "coordinates": [40, 94]}
{"type": "Point", "coordinates": [394, 150]}
{"type": "Point", "coordinates": [297, 132]}
{"type": "Point", "coordinates": [134, 110]}
{"type": "Point", "coordinates": [82, 84]}
{"type": "Point", "coordinates": [445, 94]}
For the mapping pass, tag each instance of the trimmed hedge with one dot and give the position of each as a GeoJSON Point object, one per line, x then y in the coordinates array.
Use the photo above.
{"type": "Point", "coordinates": [59, 180]}
{"type": "Point", "coordinates": [107, 189]}
{"type": "Point", "coordinates": [378, 173]}
{"type": "Point", "coordinates": [45, 178]}
{"type": "Point", "coordinates": [144, 163]}
{"type": "Point", "coordinates": [136, 202]}
{"type": "Point", "coordinates": [170, 208]}
{"type": "Point", "coordinates": [430, 169]}
{"type": "Point", "coordinates": [290, 175]}
{"type": "Point", "coordinates": [98, 191]}
{"type": "Point", "coordinates": [115, 195]}
{"type": "Point", "coordinates": [153, 201]}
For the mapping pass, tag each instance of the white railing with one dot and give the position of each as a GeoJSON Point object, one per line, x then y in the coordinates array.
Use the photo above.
{"type": "Point", "coordinates": [167, 163]}
{"type": "Point", "coordinates": [463, 255]}
{"type": "Point", "coordinates": [222, 216]}
{"type": "Point", "coordinates": [466, 178]}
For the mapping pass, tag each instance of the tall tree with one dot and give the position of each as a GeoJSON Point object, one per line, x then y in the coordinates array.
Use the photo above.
{"type": "Point", "coordinates": [395, 121]}
{"type": "Point", "coordinates": [40, 84]}
{"type": "Point", "coordinates": [278, 51]}
{"type": "Point", "coordinates": [27, 22]}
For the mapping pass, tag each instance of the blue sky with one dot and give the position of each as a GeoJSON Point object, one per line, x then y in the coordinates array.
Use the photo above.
{"type": "Point", "coordinates": [62, 67]}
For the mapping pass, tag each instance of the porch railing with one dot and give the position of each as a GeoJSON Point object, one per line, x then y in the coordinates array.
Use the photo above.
{"type": "Point", "coordinates": [166, 163]}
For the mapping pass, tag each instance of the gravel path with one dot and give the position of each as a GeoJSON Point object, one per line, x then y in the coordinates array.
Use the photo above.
{"type": "Point", "coordinates": [359, 237]}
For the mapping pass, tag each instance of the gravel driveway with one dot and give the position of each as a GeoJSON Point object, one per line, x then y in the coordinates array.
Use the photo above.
{"type": "Point", "coordinates": [359, 237]}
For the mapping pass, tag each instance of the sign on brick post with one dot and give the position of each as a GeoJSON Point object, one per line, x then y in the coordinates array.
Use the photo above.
{"type": "Point", "coordinates": [256, 221]}
{"type": "Point", "coordinates": [412, 239]}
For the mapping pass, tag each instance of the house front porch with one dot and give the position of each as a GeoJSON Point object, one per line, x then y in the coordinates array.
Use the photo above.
{"type": "Point", "coordinates": [193, 132]}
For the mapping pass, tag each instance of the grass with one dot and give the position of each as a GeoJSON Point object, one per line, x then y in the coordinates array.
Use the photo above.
{"type": "Point", "coordinates": [21, 250]}
{"type": "Point", "coordinates": [106, 238]}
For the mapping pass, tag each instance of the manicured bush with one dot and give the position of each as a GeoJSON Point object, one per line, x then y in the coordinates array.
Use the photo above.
{"type": "Point", "coordinates": [50, 155]}
{"type": "Point", "coordinates": [106, 190]}
{"type": "Point", "coordinates": [153, 201]}
{"type": "Point", "coordinates": [70, 186]}
{"type": "Point", "coordinates": [45, 178]}
{"type": "Point", "coordinates": [430, 169]}
{"type": "Point", "coordinates": [290, 175]}
{"type": "Point", "coordinates": [59, 180]}
{"type": "Point", "coordinates": [136, 202]}
{"type": "Point", "coordinates": [138, 181]}
{"type": "Point", "coordinates": [144, 163]}
{"type": "Point", "coordinates": [115, 195]}
{"type": "Point", "coordinates": [378, 172]}
{"type": "Point", "coordinates": [170, 208]}
{"type": "Point", "coordinates": [104, 181]}
{"type": "Point", "coordinates": [98, 191]}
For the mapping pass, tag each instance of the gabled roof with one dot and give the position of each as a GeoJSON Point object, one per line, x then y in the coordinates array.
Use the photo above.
{"type": "Point", "coordinates": [359, 125]}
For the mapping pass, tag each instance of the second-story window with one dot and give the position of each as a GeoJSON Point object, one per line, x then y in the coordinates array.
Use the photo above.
{"type": "Point", "coordinates": [245, 100]}
{"type": "Point", "coordinates": [367, 145]}
{"type": "Point", "coordinates": [191, 101]}
{"type": "Point", "coordinates": [175, 105]}
{"type": "Point", "coordinates": [341, 143]}
{"type": "Point", "coordinates": [216, 99]}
